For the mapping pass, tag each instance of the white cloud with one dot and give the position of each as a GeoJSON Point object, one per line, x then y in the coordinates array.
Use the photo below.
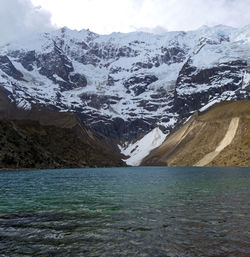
{"type": "Point", "coordinates": [20, 18]}
{"type": "Point", "coordinates": [155, 30]}
{"type": "Point", "coordinates": [106, 16]}
{"type": "Point", "coordinates": [191, 14]}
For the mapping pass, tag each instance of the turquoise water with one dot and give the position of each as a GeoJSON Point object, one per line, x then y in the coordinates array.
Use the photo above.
{"type": "Point", "coordinates": [153, 211]}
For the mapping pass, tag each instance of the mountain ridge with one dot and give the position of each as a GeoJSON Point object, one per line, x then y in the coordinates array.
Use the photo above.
{"type": "Point", "coordinates": [44, 138]}
{"type": "Point", "coordinates": [122, 86]}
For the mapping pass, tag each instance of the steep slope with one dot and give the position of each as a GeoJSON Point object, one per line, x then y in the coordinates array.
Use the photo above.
{"type": "Point", "coordinates": [28, 144]}
{"type": "Point", "coordinates": [125, 85]}
{"type": "Point", "coordinates": [226, 141]}
{"type": "Point", "coordinates": [141, 148]}
{"type": "Point", "coordinates": [218, 137]}
{"type": "Point", "coordinates": [43, 138]}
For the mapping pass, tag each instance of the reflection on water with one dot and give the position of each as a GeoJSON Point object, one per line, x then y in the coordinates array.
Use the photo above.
{"type": "Point", "coordinates": [125, 212]}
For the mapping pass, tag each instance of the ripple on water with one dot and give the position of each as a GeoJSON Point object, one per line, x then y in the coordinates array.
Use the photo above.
{"type": "Point", "coordinates": [125, 212]}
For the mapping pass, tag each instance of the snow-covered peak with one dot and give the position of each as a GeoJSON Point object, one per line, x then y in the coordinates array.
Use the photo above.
{"type": "Point", "coordinates": [35, 42]}
{"type": "Point", "coordinates": [120, 79]}
{"type": "Point", "coordinates": [74, 35]}
{"type": "Point", "coordinates": [242, 35]}
{"type": "Point", "coordinates": [137, 40]}
{"type": "Point", "coordinates": [141, 46]}
{"type": "Point", "coordinates": [218, 29]}
{"type": "Point", "coordinates": [44, 42]}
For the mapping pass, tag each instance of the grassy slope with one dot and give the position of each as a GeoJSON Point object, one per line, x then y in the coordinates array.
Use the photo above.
{"type": "Point", "coordinates": [202, 134]}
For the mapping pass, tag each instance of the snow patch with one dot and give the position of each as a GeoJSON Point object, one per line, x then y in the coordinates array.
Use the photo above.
{"type": "Point", "coordinates": [204, 108]}
{"type": "Point", "coordinates": [140, 149]}
{"type": "Point", "coordinates": [246, 80]}
{"type": "Point", "coordinates": [23, 104]}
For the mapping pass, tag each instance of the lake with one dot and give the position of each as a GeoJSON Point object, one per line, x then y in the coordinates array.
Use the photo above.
{"type": "Point", "coordinates": [142, 211]}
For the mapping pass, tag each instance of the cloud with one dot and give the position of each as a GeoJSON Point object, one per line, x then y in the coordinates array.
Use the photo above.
{"type": "Point", "coordinates": [20, 18]}
{"type": "Point", "coordinates": [148, 15]}
{"type": "Point", "coordinates": [155, 30]}
{"type": "Point", "coordinates": [191, 14]}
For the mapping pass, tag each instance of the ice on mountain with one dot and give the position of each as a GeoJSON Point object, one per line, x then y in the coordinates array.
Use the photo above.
{"type": "Point", "coordinates": [140, 149]}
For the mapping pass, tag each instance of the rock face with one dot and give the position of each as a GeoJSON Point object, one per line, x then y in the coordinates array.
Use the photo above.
{"type": "Point", "coordinates": [217, 137]}
{"type": "Point", "coordinates": [225, 80]}
{"type": "Point", "coordinates": [124, 85]}
{"type": "Point", "coordinates": [9, 69]}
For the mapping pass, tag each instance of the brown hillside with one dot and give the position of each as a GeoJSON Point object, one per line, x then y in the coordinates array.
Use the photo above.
{"type": "Point", "coordinates": [202, 135]}
{"type": "Point", "coordinates": [28, 144]}
{"type": "Point", "coordinates": [45, 138]}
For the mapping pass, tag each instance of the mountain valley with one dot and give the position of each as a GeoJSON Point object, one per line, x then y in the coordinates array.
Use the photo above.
{"type": "Point", "coordinates": [127, 89]}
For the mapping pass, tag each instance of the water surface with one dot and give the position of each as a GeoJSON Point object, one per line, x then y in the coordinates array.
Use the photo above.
{"type": "Point", "coordinates": [153, 211]}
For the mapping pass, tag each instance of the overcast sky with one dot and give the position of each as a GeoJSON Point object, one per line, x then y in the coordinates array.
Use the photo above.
{"type": "Point", "coordinates": [20, 17]}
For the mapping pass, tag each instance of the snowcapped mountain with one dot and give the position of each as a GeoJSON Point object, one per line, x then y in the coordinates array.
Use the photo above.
{"type": "Point", "coordinates": [125, 85]}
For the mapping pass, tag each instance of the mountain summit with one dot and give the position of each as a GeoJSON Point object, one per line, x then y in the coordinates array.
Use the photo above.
{"type": "Point", "coordinates": [122, 86]}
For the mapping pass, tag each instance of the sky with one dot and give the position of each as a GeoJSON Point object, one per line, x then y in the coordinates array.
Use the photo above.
{"type": "Point", "coordinates": [22, 17]}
